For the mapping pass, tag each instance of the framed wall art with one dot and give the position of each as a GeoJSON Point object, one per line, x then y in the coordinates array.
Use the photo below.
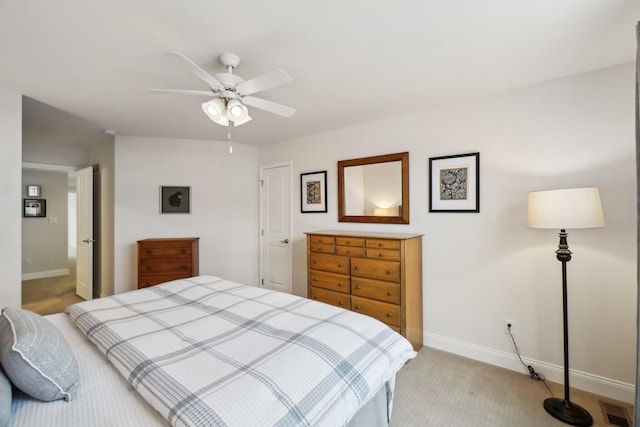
{"type": "Point", "coordinates": [34, 208]}
{"type": "Point", "coordinates": [313, 192]}
{"type": "Point", "coordinates": [33, 190]}
{"type": "Point", "coordinates": [454, 183]}
{"type": "Point", "coordinates": [175, 199]}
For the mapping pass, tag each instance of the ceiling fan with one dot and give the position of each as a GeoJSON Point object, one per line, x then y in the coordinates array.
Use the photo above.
{"type": "Point", "coordinates": [231, 93]}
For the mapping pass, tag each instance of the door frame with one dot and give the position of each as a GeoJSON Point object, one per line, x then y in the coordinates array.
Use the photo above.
{"type": "Point", "coordinates": [288, 164]}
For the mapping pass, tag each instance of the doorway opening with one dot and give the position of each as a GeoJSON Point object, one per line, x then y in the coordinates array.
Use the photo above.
{"type": "Point", "coordinates": [49, 243]}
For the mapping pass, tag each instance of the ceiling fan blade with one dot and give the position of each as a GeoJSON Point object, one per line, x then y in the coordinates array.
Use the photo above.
{"type": "Point", "coordinates": [195, 69]}
{"type": "Point", "coordinates": [272, 107]}
{"type": "Point", "coordinates": [266, 81]}
{"type": "Point", "coordinates": [182, 92]}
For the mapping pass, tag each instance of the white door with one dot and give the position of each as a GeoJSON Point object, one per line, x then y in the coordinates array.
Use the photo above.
{"type": "Point", "coordinates": [84, 234]}
{"type": "Point", "coordinates": [276, 227]}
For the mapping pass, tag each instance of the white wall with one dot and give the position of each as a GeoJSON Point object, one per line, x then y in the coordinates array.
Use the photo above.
{"type": "Point", "coordinates": [224, 203]}
{"type": "Point", "coordinates": [10, 194]}
{"type": "Point", "coordinates": [482, 268]}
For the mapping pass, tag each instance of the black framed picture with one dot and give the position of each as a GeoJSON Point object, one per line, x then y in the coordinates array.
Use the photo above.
{"type": "Point", "coordinates": [34, 208]}
{"type": "Point", "coordinates": [313, 192]}
{"type": "Point", "coordinates": [174, 199]}
{"type": "Point", "coordinates": [454, 183]}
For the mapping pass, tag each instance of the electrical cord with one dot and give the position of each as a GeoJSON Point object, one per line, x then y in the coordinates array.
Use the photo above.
{"type": "Point", "coordinates": [532, 373]}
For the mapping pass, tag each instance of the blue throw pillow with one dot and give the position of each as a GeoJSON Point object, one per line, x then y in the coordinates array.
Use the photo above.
{"type": "Point", "coordinates": [36, 357]}
{"type": "Point", "coordinates": [5, 400]}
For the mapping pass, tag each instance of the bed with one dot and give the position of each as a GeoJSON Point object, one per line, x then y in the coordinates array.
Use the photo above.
{"type": "Point", "coordinates": [209, 351]}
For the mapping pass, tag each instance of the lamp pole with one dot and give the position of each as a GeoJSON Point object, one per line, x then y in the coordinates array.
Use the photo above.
{"type": "Point", "coordinates": [563, 409]}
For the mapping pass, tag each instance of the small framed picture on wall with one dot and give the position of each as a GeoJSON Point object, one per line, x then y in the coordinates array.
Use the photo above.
{"type": "Point", "coordinates": [175, 199]}
{"type": "Point", "coordinates": [454, 183]}
{"type": "Point", "coordinates": [313, 192]}
{"type": "Point", "coordinates": [34, 208]}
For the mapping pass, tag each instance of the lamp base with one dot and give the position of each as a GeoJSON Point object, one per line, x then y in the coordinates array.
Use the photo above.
{"type": "Point", "coordinates": [568, 412]}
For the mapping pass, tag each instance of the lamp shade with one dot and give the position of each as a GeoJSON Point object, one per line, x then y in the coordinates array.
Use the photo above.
{"type": "Point", "coordinates": [565, 209]}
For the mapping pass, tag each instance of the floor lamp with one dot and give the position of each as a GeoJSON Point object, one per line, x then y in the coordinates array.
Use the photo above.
{"type": "Point", "coordinates": [565, 209]}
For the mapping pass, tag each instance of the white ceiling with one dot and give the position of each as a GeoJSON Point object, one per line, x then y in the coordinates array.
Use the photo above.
{"type": "Point", "coordinates": [351, 61]}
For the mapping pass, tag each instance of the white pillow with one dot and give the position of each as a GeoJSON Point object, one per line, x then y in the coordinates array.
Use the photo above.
{"type": "Point", "coordinates": [36, 357]}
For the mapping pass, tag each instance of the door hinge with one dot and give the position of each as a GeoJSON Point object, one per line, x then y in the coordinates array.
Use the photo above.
{"type": "Point", "coordinates": [262, 282]}
{"type": "Point", "coordinates": [262, 232]}
{"type": "Point", "coordinates": [262, 183]}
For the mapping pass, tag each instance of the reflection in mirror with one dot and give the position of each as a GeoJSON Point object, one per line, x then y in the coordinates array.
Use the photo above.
{"type": "Point", "coordinates": [374, 189]}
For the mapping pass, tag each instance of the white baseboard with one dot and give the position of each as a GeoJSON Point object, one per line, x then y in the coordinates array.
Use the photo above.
{"type": "Point", "coordinates": [45, 274]}
{"type": "Point", "coordinates": [612, 389]}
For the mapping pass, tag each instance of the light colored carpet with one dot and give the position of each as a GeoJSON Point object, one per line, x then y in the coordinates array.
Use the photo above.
{"type": "Point", "coordinates": [440, 389]}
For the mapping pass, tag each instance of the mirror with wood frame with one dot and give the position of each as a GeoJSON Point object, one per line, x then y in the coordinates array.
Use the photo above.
{"type": "Point", "coordinates": [374, 189]}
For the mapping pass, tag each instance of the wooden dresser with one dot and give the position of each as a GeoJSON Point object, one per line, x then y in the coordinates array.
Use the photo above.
{"type": "Point", "coordinates": [377, 274]}
{"type": "Point", "coordinates": [161, 260]}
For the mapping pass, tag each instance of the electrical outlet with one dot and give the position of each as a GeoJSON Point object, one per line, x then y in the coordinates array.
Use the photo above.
{"type": "Point", "coordinates": [508, 322]}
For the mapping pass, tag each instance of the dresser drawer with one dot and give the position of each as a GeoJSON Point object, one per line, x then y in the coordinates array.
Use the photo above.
{"type": "Point", "coordinates": [162, 266]}
{"type": "Point", "coordinates": [165, 250]}
{"type": "Point", "coordinates": [332, 263]}
{"type": "Point", "coordinates": [323, 248]}
{"type": "Point", "coordinates": [350, 241]}
{"type": "Point", "coordinates": [147, 280]}
{"type": "Point", "coordinates": [334, 298]}
{"type": "Point", "coordinates": [385, 312]}
{"type": "Point", "coordinates": [315, 238]}
{"type": "Point", "coordinates": [386, 254]}
{"type": "Point", "coordinates": [376, 269]}
{"type": "Point", "coordinates": [383, 244]}
{"type": "Point", "coordinates": [331, 281]}
{"type": "Point", "coordinates": [350, 251]}
{"type": "Point", "coordinates": [376, 289]}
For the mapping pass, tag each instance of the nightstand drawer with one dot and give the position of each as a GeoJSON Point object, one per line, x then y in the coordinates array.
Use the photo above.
{"type": "Point", "coordinates": [331, 281]}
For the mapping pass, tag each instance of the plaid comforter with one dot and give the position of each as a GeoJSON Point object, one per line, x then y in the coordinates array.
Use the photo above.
{"type": "Point", "coordinates": [206, 351]}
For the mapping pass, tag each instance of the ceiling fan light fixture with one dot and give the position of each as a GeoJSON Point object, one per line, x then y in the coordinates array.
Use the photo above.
{"type": "Point", "coordinates": [236, 111]}
{"type": "Point", "coordinates": [215, 110]}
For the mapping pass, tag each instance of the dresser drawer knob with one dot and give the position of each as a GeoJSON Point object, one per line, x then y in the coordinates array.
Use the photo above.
{"type": "Point", "coordinates": [381, 255]}
{"type": "Point", "coordinates": [340, 265]}
{"type": "Point", "coordinates": [183, 251]}
{"type": "Point", "coordinates": [357, 287]}
{"type": "Point", "coordinates": [356, 268]}
{"type": "Point", "coordinates": [389, 272]}
{"type": "Point", "coordinates": [380, 245]}
{"type": "Point", "coordinates": [388, 294]}
{"type": "Point", "coordinates": [339, 285]}
{"type": "Point", "coordinates": [341, 303]}
{"type": "Point", "coordinates": [348, 242]}
{"type": "Point", "coordinates": [388, 315]}
{"type": "Point", "coordinates": [315, 279]}
{"type": "Point", "coordinates": [320, 249]}
{"type": "Point", "coordinates": [183, 267]}
{"type": "Point", "coordinates": [358, 307]}
{"type": "Point", "coordinates": [315, 261]}
{"type": "Point", "coordinates": [348, 252]}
